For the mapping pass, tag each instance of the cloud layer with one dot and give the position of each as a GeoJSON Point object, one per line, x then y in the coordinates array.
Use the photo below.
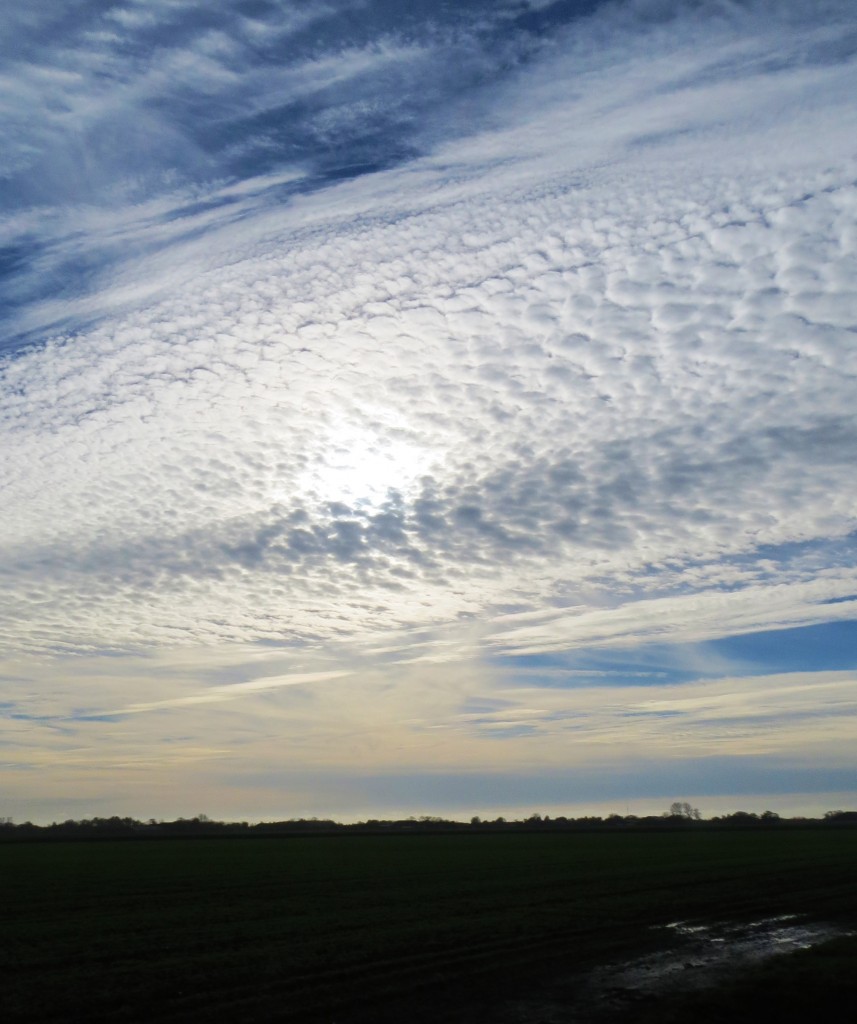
{"type": "Point", "coordinates": [334, 331]}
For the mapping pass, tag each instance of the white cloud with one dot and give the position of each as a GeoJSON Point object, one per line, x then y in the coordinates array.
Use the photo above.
{"type": "Point", "coordinates": [574, 419]}
{"type": "Point", "coordinates": [584, 374]}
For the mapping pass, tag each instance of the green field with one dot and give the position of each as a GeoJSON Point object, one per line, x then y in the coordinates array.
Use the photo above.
{"type": "Point", "coordinates": [355, 927]}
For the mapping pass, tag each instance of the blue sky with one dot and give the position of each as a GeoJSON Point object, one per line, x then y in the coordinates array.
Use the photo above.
{"type": "Point", "coordinates": [428, 408]}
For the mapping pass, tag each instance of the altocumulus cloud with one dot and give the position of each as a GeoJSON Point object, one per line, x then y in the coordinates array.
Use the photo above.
{"type": "Point", "coordinates": [403, 346]}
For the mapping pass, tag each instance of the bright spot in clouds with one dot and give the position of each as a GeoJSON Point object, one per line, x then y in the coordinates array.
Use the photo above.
{"type": "Point", "coordinates": [428, 409]}
{"type": "Point", "coordinates": [363, 467]}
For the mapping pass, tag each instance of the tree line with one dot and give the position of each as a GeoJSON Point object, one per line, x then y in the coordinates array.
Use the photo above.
{"type": "Point", "coordinates": [679, 816]}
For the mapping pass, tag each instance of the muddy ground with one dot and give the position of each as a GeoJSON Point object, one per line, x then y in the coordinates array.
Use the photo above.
{"type": "Point", "coordinates": [694, 958]}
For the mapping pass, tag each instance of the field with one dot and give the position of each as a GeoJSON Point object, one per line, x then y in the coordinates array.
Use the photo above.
{"type": "Point", "coordinates": [349, 928]}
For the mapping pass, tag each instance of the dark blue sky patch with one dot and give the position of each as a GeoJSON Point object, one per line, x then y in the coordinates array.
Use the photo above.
{"type": "Point", "coordinates": [646, 665]}
{"type": "Point", "coordinates": [552, 16]}
{"type": "Point", "coordinates": [828, 646]}
{"type": "Point", "coordinates": [15, 257]}
{"type": "Point", "coordinates": [801, 550]}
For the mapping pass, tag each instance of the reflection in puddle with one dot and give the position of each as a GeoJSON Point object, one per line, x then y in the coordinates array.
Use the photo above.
{"type": "Point", "coordinates": [699, 956]}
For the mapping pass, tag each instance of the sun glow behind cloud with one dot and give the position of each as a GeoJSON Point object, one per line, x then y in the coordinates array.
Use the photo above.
{"type": "Point", "coordinates": [364, 466]}
{"type": "Point", "coordinates": [409, 361]}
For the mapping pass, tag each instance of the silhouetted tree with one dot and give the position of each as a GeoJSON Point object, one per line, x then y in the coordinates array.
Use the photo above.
{"type": "Point", "coordinates": [682, 809]}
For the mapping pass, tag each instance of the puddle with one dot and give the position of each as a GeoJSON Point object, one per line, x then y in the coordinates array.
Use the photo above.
{"type": "Point", "coordinates": [706, 951]}
{"type": "Point", "coordinates": [698, 955]}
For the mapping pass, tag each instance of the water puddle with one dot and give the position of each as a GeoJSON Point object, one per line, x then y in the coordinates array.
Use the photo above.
{"type": "Point", "coordinates": [707, 951]}
{"type": "Point", "coordinates": [696, 957]}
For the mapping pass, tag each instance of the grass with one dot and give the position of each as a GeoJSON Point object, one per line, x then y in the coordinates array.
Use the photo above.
{"type": "Point", "coordinates": [342, 927]}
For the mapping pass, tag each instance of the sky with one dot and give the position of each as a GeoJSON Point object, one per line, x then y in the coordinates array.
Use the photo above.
{"type": "Point", "coordinates": [428, 408]}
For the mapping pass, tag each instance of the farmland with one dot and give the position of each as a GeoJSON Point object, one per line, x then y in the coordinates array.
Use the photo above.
{"type": "Point", "coordinates": [359, 927]}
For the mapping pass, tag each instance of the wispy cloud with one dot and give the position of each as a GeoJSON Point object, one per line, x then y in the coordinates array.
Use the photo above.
{"type": "Point", "coordinates": [233, 691]}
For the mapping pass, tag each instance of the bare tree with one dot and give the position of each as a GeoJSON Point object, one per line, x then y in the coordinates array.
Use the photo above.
{"type": "Point", "coordinates": [682, 809]}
